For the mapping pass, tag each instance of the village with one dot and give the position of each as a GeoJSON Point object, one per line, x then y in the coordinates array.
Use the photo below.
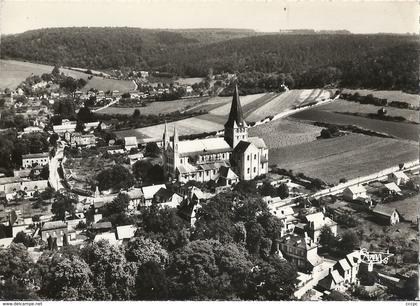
{"type": "Point", "coordinates": [77, 183]}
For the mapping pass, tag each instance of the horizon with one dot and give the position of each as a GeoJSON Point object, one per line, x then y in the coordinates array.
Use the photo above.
{"type": "Point", "coordinates": [271, 16]}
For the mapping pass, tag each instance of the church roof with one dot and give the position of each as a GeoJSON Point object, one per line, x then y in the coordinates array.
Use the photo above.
{"type": "Point", "coordinates": [203, 146]}
{"type": "Point", "coordinates": [242, 146]}
{"type": "Point", "coordinates": [235, 116]}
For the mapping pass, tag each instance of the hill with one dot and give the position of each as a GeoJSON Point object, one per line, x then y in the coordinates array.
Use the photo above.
{"type": "Point", "coordinates": [363, 61]}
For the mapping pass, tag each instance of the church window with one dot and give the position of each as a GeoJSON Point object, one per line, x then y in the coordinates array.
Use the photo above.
{"type": "Point", "coordinates": [255, 156]}
{"type": "Point", "coordinates": [247, 170]}
{"type": "Point", "coordinates": [247, 157]}
{"type": "Point", "coordinates": [255, 169]}
{"type": "Point", "coordinates": [207, 172]}
{"type": "Point", "coordinates": [199, 173]}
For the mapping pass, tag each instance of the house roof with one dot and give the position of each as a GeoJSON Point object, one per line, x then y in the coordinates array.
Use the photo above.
{"type": "Point", "coordinates": [149, 191]}
{"type": "Point", "coordinates": [35, 155]}
{"type": "Point", "coordinates": [102, 225]}
{"type": "Point", "coordinates": [356, 189]}
{"type": "Point", "coordinates": [400, 174]}
{"type": "Point", "coordinates": [298, 242]}
{"type": "Point", "coordinates": [319, 220]}
{"type": "Point", "coordinates": [236, 117]}
{"type": "Point", "coordinates": [135, 193]}
{"type": "Point", "coordinates": [226, 172]}
{"type": "Point", "coordinates": [392, 187]}
{"type": "Point", "coordinates": [336, 277]}
{"type": "Point", "coordinates": [25, 185]}
{"type": "Point", "coordinates": [242, 146]}
{"type": "Point", "coordinates": [384, 210]}
{"type": "Point", "coordinates": [344, 264]}
{"type": "Point", "coordinates": [53, 225]}
{"type": "Point", "coordinates": [125, 231]}
{"type": "Point", "coordinates": [109, 236]}
{"type": "Point", "coordinates": [202, 146]}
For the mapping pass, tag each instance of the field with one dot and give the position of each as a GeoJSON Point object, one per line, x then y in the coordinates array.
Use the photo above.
{"type": "Point", "coordinates": [155, 108]}
{"type": "Point", "coordinates": [349, 156]}
{"type": "Point", "coordinates": [397, 129]}
{"type": "Point", "coordinates": [286, 101]}
{"type": "Point", "coordinates": [210, 122]}
{"type": "Point", "coordinates": [12, 73]}
{"type": "Point", "coordinates": [285, 132]}
{"type": "Point", "coordinates": [189, 81]}
{"type": "Point", "coordinates": [353, 107]}
{"type": "Point", "coordinates": [390, 95]}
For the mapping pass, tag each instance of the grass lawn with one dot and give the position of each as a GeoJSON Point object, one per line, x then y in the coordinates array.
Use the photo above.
{"type": "Point", "coordinates": [349, 156]}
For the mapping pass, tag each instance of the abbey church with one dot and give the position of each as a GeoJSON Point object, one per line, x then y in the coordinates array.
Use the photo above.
{"type": "Point", "coordinates": [225, 160]}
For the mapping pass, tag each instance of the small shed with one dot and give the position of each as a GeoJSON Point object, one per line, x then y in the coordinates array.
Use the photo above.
{"type": "Point", "coordinates": [386, 214]}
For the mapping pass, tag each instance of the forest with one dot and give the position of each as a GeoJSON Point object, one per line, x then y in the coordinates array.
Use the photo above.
{"type": "Point", "coordinates": [376, 61]}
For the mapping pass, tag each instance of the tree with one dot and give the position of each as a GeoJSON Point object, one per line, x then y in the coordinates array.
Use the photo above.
{"type": "Point", "coordinates": [15, 262]}
{"type": "Point", "coordinates": [63, 204]}
{"type": "Point", "coordinates": [271, 280]}
{"type": "Point", "coordinates": [136, 113]}
{"type": "Point", "coordinates": [80, 127]}
{"type": "Point", "coordinates": [116, 178]}
{"type": "Point", "coordinates": [53, 139]}
{"type": "Point", "coordinates": [349, 242]}
{"type": "Point", "coordinates": [12, 290]}
{"type": "Point", "coordinates": [68, 278]}
{"type": "Point", "coordinates": [152, 149]}
{"type": "Point", "coordinates": [113, 278]}
{"type": "Point", "coordinates": [85, 115]}
{"type": "Point", "coordinates": [56, 71]}
{"type": "Point", "coordinates": [246, 187]}
{"type": "Point", "coordinates": [142, 250]}
{"type": "Point", "coordinates": [326, 238]}
{"type": "Point", "coordinates": [283, 191]}
{"type": "Point", "coordinates": [207, 269]}
{"type": "Point", "coordinates": [151, 283]}
{"type": "Point", "coordinates": [267, 190]}
{"type": "Point", "coordinates": [118, 205]}
{"type": "Point", "coordinates": [25, 239]}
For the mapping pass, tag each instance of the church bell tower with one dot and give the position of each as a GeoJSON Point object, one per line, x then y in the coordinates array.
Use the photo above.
{"type": "Point", "coordinates": [236, 128]}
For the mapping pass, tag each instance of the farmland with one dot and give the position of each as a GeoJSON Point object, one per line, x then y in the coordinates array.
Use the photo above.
{"type": "Point", "coordinates": [156, 108]}
{"type": "Point", "coordinates": [397, 129]}
{"type": "Point", "coordinates": [407, 207]}
{"type": "Point", "coordinates": [349, 156]}
{"type": "Point", "coordinates": [390, 95]}
{"type": "Point", "coordinates": [12, 73]}
{"type": "Point", "coordinates": [287, 101]}
{"type": "Point", "coordinates": [285, 132]}
{"type": "Point", "coordinates": [353, 107]}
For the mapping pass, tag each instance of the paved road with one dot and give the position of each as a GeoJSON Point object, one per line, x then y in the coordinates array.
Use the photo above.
{"type": "Point", "coordinates": [54, 178]}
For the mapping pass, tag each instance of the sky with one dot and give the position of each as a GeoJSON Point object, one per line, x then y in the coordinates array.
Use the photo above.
{"type": "Point", "coordinates": [269, 16]}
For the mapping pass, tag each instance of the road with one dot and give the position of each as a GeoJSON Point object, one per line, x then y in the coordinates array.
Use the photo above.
{"type": "Point", "coordinates": [106, 106]}
{"type": "Point", "coordinates": [54, 179]}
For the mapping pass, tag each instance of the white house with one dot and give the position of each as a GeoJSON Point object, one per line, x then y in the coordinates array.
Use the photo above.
{"type": "Point", "coordinates": [386, 214]}
{"type": "Point", "coordinates": [399, 178]}
{"type": "Point", "coordinates": [354, 192]}
{"type": "Point", "coordinates": [150, 191]}
{"type": "Point", "coordinates": [30, 160]}
{"type": "Point", "coordinates": [130, 142]}
{"type": "Point", "coordinates": [316, 222]}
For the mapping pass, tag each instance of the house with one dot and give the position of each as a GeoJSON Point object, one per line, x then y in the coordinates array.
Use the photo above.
{"type": "Point", "coordinates": [25, 189]}
{"type": "Point", "coordinates": [31, 160]}
{"type": "Point", "coordinates": [386, 214]}
{"type": "Point", "coordinates": [125, 232]}
{"type": "Point", "coordinates": [108, 236]}
{"type": "Point", "coordinates": [79, 140]}
{"type": "Point", "coordinates": [130, 143]}
{"type": "Point", "coordinates": [333, 281]}
{"type": "Point", "coordinates": [54, 229]}
{"type": "Point", "coordinates": [150, 191]}
{"type": "Point", "coordinates": [31, 129]}
{"type": "Point", "coordinates": [301, 251]}
{"type": "Point", "coordinates": [136, 198]}
{"type": "Point", "coordinates": [135, 157]}
{"type": "Point", "coordinates": [101, 227]}
{"type": "Point", "coordinates": [316, 222]}
{"type": "Point", "coordinates": [392, 189]}
{"type": "Point", "coordinates": [354, 192]}
{"type": "Point", "coordinates": [227, 177]}
{"type": "Point", "coordinates": [399, 178]}
{"type": "Point", "coordinates": [66, 126]}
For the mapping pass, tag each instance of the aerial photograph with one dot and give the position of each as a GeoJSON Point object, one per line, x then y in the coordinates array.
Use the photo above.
{"type": "Point", "coordinates": [220, 150]}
